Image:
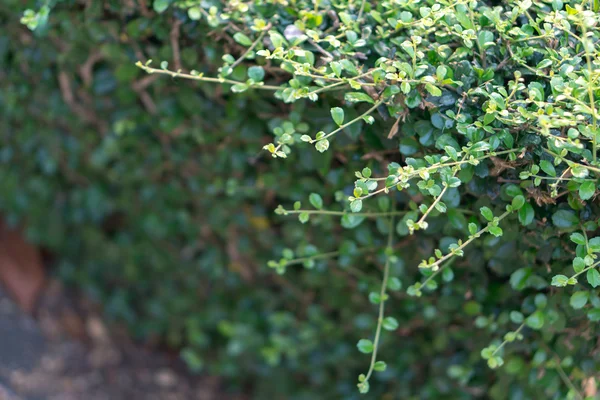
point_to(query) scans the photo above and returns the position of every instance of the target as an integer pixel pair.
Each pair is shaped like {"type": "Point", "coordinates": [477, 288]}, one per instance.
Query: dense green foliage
{"type": "Point", "coordinates": [440, 158]}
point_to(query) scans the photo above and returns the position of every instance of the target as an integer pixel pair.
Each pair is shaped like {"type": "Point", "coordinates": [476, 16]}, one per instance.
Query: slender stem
{"type": "Point", "coordinates": [586, 269]}
{"type": "Point", "coordinates": [176, 74]}
{"type": "Point", "coordinates": [243, 56]}
{"type": "Point", "coordinates": [347, 124]}
{"type": "Point", "coordinates": [562, 176]}
{"type": "Point", "coordinates": [301, 66]}
{"type": "Point", "coordinates": [386, 273]}
{"type": "Point", "coordinates": [590, 93]}
{"type": "Point", "coordinates": [479, 45]}
{"type": "Point", "coordinates": [554, 178]}
{"type": "Point", "coordinates": [329, 87]}
{"type": "Point", "coordinates": [504, 342]}
{"type": "Point", "coordinates": [572, 163]}
{"type": "Point", "coordinates": [432, 206]}
{"type": "Point", "coordinates": [435, 273]}
{"type": "Point", "coordinates": [439, 198]}
{"type": "Point", "coordinates": [360, 12]}
{"type": "Point", "coordinates": [567, 381]}
{"type": "Point", "coordinates": [465, 244]}
{"type": "Point", "coordinates": [585, 236]}
{"type": "Point", "coordinates": [342, 213]}
{"type": "Point", "coordinates": [589, 109]}
{"type": "Point", "coordinates": [531, 38]}
{"type": "Point", "coordinates": [564, 376]}
{"type": "Point", "coordinates": [341, 81]}
{"type": "Point", "coordinates": [432, 167]}
{"type": "Point", "coordinates": [466, 161]}
{"type": "Point", "coordinates": [331, 254]}
{"type": "Point", "coordinates": [383, 189]}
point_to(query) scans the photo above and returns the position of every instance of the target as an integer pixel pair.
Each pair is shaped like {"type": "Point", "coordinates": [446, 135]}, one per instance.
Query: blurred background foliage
{"type": "Point", "coordinates": [157, 201]}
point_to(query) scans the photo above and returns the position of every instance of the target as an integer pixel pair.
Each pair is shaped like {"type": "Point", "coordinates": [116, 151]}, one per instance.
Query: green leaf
{"type": "Point", "coordinates": [276, 39]}
{"type": "Point", "coordinates": [594, 244]}
{"type": "Point", "coordinates": [256, 73]}
{"type": "Point", "coordinates": [495, 362]}
{"type": "Point", "coordinates": [357, 97]}
{"type": "Point", "coordinates": [194, 13]}
{"type": "Point", "coordinates": [239, 88]}
{"type": "Point", "coordinates": [316, 200]}
{"type": "Point", "coordinates": [356, 205]}
{"type": "Point", "coordinates": [226, 70]}
{"type": "Point", "coordinates": [303, 217]}
{"type": "Point", "coordinates": [479, 146]}
{"type": "Point", "coordinates": [547, 167]}
{"type": "Point", "coordinates": [365, 346]}
{"type": "Point", "coordinates": [544, 63]}
{"type": "Point", "coordinates": [374, 298]}
{"type": "Point", "coordinates": [487, 352]}
{"type": "Point", "coordinates": [577, 238]}
{"type": "Point", "coordinates": [464, 20]}
{"type": "Point", "coordinates": [485, 39]}
{"type": "Point", "coordinates": [560, 280]}
{"type": "Point", "coordinates": [579, 299]}
{"type": "Point", "coordinates": [384, 203]}
{"type": "Point", "coordinates": [495, 230]}
{"type": "Point", "coordinates": [593, 277]}
{"type": "Point", "coordinates": [535, 320]}
{"type": "Point", "coordinates": [519, 278]}
{"type": "Point", "coordinates": [322, 145]}
{"type": "Point", "coordinates": [338, 115]}
{"type": "Point", "coordinates": [242, 39]}
{"type": "Point", "coordinates": [578, 264]}
{"type": "Point", "coordinates": [587, 190]}
{"type": "Point", "coordinates": [472, 228]}
{"type": "Point", "coordinates": [433, 90]}
{"type": "Point", "coordinates": [487, 213]}
{"type": "Point", "coordinates": [540, 300]}
{"type": "Point", "coordinates": [594, 314]}
{"type": "Point", "coordinates": [580, 172]}
{"type": "Point", "coordinates": [447, 274]}
{"type": "Point", "coordinates": [405, 87]}
{"type": "Point", "coordinates": [565, 219]}
{"type": "Point", "coordinates": [366, 172]}
{"type": "Point", "coordinates": [390, 91]}
{"type": "Point", "coordinates": [349, 67]}
{"type": "Point", "coordinates": [351, 221]}
{"type": "Point", "coordinates": [336, 67]}
{"type": "Point", "coordinates": [363, 386]}
{"type": "Point", "coordinates": [526, 214]}
{"type": "Point", "coordinates": [394, 284]}
{"type": "Point", "coordinates": [390, 324]}
{"type": "Point", "coordinates": [516, 317]}
{"type": "Point", "coordinates": [380, 366]}
{"type": "Point", "coordinates": [518, 202]}
{"type": "Point", "coordinates": [161, 5]}
{"type": "Point", "coordinates": [441, 72]}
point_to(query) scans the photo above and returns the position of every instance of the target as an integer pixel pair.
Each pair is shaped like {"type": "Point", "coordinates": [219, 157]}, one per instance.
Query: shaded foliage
{"type": "Point", "coordinates": [450, 147]}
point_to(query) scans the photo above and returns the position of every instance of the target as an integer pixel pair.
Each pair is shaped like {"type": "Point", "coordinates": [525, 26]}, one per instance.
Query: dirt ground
{"type": "Point", "coordinates": [54, 344]}
{"type": "Point", "coordinates": [66, 352]}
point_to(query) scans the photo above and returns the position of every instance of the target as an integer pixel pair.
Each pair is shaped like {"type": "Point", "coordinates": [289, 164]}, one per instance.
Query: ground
{"type": "Point", "coordinates": [64, 351]}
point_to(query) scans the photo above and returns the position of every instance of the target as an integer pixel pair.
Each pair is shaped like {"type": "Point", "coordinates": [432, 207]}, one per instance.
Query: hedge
{"type": "Point", "coordinates": [321, 199]}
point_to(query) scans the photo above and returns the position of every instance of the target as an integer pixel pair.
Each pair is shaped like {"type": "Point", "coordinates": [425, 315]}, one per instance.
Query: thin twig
{"type": "Point", "coordinates": [382, 294]}
{"type": "Point", "coordinates": [174, 38]}
{"type": "Point", "coordinates": [252, 46]}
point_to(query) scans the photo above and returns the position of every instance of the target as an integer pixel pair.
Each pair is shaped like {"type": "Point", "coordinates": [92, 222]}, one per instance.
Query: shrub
{"type": "Point", "coordinates": [442, 157]}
